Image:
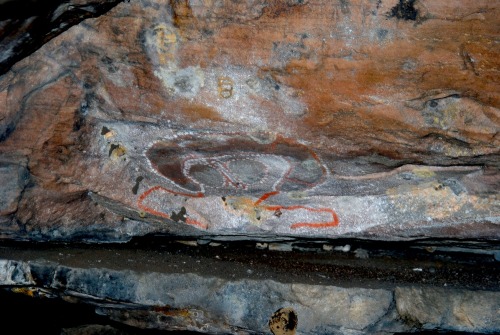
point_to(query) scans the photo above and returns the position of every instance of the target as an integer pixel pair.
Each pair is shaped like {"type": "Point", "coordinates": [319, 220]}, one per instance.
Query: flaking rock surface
{"type": "Point", "coordinates": [257, 118]}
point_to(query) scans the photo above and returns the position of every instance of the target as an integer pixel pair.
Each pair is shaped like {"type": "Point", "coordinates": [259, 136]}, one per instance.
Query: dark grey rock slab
{"type": "Point", "coordinates": [215, 290]}
{"type": "Point", "coordinates": [225, 305]}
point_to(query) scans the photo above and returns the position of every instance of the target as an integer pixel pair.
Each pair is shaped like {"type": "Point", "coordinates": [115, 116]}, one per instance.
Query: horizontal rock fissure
{"type": "Point", "coordinates": [471, 264]}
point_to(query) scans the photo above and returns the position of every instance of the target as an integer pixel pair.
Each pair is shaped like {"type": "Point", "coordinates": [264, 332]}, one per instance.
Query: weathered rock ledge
{"type": "Point", "coordinates": [218, 289]}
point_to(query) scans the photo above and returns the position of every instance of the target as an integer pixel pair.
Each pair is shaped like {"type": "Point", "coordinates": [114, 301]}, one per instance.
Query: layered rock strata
{"type": "Point", "coordinates": [214, 289]}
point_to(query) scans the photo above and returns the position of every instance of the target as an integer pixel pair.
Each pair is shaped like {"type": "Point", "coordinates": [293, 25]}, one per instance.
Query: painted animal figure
{"type": "Point", "coordinates": [237, 165]}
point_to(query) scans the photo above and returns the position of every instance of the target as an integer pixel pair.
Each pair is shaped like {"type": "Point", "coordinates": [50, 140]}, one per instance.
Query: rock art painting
{"type": "Point", "coordinates": [238, 166]}
{"type": "Point", "coordinates": [258, 119]}
{"type": "Point", "coordinates": [258, 183]}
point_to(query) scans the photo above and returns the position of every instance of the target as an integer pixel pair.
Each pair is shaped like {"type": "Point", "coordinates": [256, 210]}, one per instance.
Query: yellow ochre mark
{"type": "Point", "coordinates": [246, 206]}
{"type": "Point", "coordinates": [116, 151]}
{"type": "Point", "coordinates": [24, 290]}
{"type": "Point", "coordinates": [165, 43]}
{"type": "Point", "coordinates": [423, 173]}
{"type": "Point", "coordinates": [434, 200]}
{"type": "Point", "coordinates": [107, 133]}
{"type": "Point", "coordinates": [225, 87]}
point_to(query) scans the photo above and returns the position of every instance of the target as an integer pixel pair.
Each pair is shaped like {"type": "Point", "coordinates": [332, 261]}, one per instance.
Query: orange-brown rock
{"type": "Point", "coordinates": [311, 118]}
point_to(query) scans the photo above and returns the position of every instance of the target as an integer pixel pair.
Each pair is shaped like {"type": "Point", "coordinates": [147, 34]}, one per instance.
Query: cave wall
{"type": "Point", "coordinates": [360, 118]}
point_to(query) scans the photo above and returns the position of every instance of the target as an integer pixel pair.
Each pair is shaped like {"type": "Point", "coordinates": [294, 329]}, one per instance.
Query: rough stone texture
{"type": "Point", "coordinates": [25, 25]}
{"type": "Point", "coordinates": [456, 310]}
{"type": "Point", "coordinates": [13, 177]}
{"type": "Point", "coordinates": [153, 300]}
{"type": "Point", "coordinates": [215, 306]}
{"type": "Point", "coordinates": [235, 288]}
{"type": "Point", "coordinates": [255, 120]}
{"type": "Point", "coordinates": [306, 118]}
{"type": "Point", "coordinates": [93, 330]}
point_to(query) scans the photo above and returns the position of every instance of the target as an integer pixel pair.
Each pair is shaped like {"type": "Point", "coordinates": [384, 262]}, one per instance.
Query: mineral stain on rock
{"type": "Point", "coordinates": [136, 186]}
{"type": "Point", "coordinates": [283, 322]}
{"type": "Point", "coordinates": [116, 151]}
{"type": "Point", "coordinates": [105, 130]}
{"type": "Point", "coordinates": [181, 216]}
{"type": "Point", "coordinates": [404, 10]}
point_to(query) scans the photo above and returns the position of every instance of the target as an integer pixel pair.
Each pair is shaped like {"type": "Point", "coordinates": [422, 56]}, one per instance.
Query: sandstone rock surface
{"type": "Point", "coordinates": [456, 310]}
{"type": "Point", "coordinates": [198, 290]}
{"type": "Point", "coordinates": [257, 119]}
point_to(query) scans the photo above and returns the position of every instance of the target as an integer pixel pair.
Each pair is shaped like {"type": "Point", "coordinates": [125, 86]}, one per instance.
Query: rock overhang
{"type": "Point", "coordinates": [161, 121]}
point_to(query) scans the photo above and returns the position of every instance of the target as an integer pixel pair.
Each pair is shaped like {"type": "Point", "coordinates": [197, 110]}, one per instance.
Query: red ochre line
{"type": "Point", "coordinates": [265, 196]}
{"type": "Point", "coordinates": [152, 211]}
{"type": "Point", "coordinates": [333, 223]}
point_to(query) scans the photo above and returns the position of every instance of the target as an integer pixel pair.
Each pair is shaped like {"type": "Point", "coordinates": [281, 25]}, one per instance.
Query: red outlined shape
{"type": "Point", "coordinates": [143, 196]}
{"type": "Point", "coordinates": [332, 223]}
{"type": "Point", "coordinates": [287, 149]}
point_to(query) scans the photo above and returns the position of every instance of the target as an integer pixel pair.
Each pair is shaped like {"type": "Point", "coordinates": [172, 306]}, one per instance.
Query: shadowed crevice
{"type": "Point", "coordinates": [26, 25]}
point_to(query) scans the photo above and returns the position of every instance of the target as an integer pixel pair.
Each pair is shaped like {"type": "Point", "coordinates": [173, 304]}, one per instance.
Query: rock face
{"type": "Point", "coordinates": [246, 305]}
{"type": "Point", "coordinates": [290, 124]}
{"type": "Point", "coordinates": [161, 290]}
{"type": "Point", "coordinates": [25, 25]}
{"type": "Point", "coordinates": [298, 118]}
{"type": "Point", "coordinates": [438, 307]}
